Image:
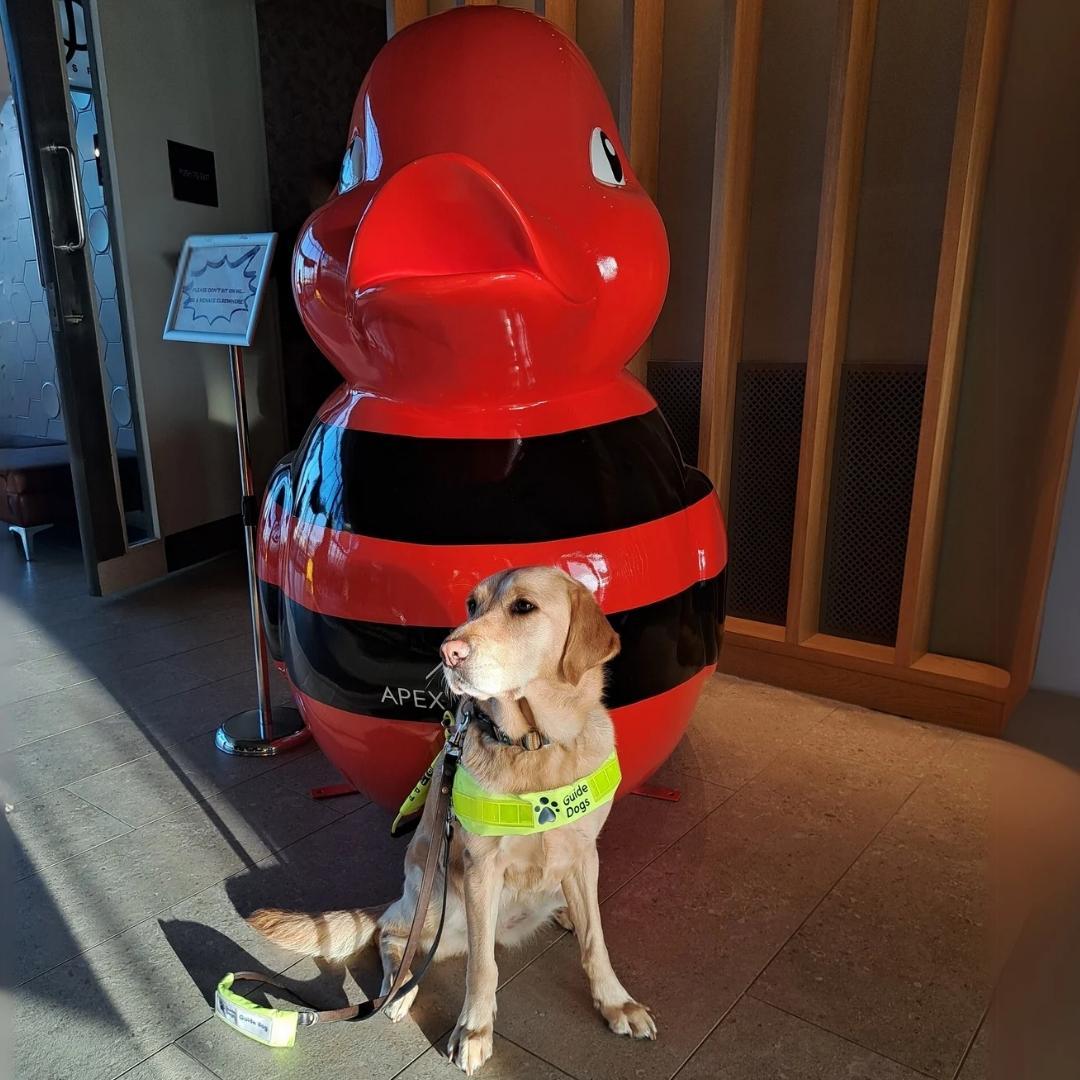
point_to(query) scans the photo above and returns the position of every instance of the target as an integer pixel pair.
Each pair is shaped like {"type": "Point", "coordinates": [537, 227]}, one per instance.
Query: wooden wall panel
{"type": "Point", "coordinates": [639, 104]}
{"type": "Point", "coordinates": [976, 113]}
{"type": "Point", "coordinates": [828, 320]}
{"type": "Point", "coordinates": [639, 93]}
{"type": "Point", "coordinates": [400, 13]}
{"type": "Point", "coordinates": [729, 232]}
{"type": "Point", "coordinates": [823, 674]}
{"type": "Point", "coordinates": [1010, 386]}
{"type": "Point", "coordinates": [563, 13]}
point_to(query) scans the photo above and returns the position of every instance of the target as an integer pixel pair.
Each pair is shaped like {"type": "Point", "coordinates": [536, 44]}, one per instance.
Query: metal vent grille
{"type": "Point", "coordinates": [676, 385]}
{"type": "Point", "coordinates": [764, 474]}
{"type": "Point", "coordinates": [877, 438]}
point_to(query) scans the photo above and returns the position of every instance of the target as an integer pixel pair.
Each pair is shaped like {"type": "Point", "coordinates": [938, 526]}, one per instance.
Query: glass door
{"type": "Point", "coordinates": [79, 391]}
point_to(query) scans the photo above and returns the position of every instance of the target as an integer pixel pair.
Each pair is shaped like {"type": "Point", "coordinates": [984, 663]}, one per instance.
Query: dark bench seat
{"type": "Point", "coordinates": [35, 486]}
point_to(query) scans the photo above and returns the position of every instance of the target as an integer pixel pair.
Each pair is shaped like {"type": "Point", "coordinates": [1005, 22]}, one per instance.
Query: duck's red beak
{"type": "Point", "coordinates": [446, 216]}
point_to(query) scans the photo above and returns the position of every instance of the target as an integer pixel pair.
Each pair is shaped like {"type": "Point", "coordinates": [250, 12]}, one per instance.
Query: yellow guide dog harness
{"type": "Point", "coordinates": [485, 814]}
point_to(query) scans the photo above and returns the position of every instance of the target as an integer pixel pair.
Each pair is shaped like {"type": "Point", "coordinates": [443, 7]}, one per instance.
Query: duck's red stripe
{"type": "Point", "coordinates": [350, 576]}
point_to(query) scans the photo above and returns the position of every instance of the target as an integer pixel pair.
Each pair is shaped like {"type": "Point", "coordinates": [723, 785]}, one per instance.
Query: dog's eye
{"type": "Point", "coordinates": [470, 606]}
{"type": "Point", "coordinates": [604, 159]}
{"type": "Point", "coordinates": [521, 606]}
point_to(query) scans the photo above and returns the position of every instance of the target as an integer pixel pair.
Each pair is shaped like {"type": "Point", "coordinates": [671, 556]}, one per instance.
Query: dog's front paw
{"type": "Point", "coordinates": [399, 1008]}
{"type": "Point", "coordinates": [630, 1018]}
{"type": "Point", "coordinates": [469, 1049]}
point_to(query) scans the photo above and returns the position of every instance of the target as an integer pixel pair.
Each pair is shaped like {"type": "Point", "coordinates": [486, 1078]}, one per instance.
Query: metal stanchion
{"type": "Point", "coordinates": [265, 731]}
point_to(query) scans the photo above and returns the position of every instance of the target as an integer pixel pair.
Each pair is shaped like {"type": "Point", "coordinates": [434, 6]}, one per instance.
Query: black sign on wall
{"type": "Point", "coordinates": [194, 178]}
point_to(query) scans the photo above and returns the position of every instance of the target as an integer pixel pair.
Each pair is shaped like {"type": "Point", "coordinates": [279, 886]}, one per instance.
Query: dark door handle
{"type": "Point", "coordinates": [76, 201]}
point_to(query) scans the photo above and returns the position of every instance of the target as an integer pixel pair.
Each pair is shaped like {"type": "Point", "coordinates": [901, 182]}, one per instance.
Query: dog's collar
{"type": "Point", "coordinates": [531, 740]}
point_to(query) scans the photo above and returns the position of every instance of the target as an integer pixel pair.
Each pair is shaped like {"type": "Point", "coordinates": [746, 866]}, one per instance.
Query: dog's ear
{"type": "Point", "coordinates": [590, 640]}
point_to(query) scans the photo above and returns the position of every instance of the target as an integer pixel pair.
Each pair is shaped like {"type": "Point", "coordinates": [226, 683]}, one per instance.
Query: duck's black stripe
{"type": "Point", "coordinates": [493, 491]}
{"type": "Point", "coordinates": [381, 670]}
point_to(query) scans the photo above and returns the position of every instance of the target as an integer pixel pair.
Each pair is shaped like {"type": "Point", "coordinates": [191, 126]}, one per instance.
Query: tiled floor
{"type": "Point", "coordinates": [820, 903]}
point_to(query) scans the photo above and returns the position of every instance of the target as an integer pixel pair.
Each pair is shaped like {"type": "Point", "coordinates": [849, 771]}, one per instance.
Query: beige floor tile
{"type": "Point", "coordinates": [689, 933]}
{"type": "Point", "coordinates": [896, 957]}
{"type": "Point", "coordinates": [169, 1064]}
{"type": "Point", "coordinates": [886, 741]}
{"type": "Point", "coordinates": [56, 826]}
{"type": "Point", "coordinates": [757, 1042]}
{"type": "Point", "coordinates": [304, 772]}
{"type": "Point", "coordinates": [977, 1064]}
{"type": "Point", "coordinates": [509, 1062]}
{"type": "Point", "coordinates": [20, 648]}
{"type": "Point", "coordinates": [739, 727]}
{"type": "Point", "coordinates": [220, 659]}
{"type": "Point", "coordinates": [42, 677]}
{"type": "Point", "coordinates": [81, 902]}
{"type": "Point", "coordinates": [105, 1011]}
{"type": "Point", "coordinates": [48, 714]}
{"type": "Point", "coordinates": [171, 778]}
{"type": "Point", "coordinates": [69, 756]}
{"type": "Point", "coordinates": [151, 682]}
{"type": "Point", "coordinates": [640, 828]}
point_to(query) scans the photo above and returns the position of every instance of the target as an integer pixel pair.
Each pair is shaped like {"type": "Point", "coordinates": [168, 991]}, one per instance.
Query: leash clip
{"type": "Point", "coordinates": [454, 744]}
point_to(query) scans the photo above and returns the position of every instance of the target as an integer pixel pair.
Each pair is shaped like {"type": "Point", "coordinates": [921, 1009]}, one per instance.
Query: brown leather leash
{"type": "Point", "coordinates": [364, 1010]}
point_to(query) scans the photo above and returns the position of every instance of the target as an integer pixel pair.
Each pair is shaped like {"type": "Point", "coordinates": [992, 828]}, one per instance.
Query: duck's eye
{"type": "Point", "coordinates": [470, 606]}
{"type": "Point", "coordinates": [521, 606]}
{"type": "Point", "coordinates": [352, 165]}
{"type": "Point", "coordinates": [604, 158]}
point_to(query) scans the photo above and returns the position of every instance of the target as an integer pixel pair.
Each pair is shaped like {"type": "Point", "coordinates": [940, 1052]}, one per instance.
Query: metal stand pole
{"type": "Point", "coordinates": [261, 732]}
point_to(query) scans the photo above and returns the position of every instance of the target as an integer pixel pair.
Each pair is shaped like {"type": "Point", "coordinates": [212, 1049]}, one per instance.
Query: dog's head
{"type": "Point", "coordinates": [524, 625]}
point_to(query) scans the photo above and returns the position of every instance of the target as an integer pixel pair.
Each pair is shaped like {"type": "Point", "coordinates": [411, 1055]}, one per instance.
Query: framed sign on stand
{"type": "Point", "coordinates": [216, 299]}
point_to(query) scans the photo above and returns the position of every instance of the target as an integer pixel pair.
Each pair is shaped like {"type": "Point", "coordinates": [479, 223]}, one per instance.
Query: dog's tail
{"type": "Point", "coordinates": [333, 934]}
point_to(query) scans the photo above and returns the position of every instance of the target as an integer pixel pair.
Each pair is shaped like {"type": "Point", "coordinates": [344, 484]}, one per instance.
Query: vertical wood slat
{"type": "Point", "coordinates": [729, 229]}
{"type": "Point", "coordinates": [400, 13]}
{"type": "Point", "coordinates": [639, 87]}
{"type": "Point", "coordinates": [639, 105]}
{"type": "Point", "coordinates": [563, 13]}
{"type": "Point", "coordinates": [980, 80]}
{"type": "Point", "coordinates": [845, 134]}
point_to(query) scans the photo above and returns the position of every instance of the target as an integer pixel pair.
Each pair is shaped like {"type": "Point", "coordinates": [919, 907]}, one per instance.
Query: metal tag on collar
{"type": "Point", "coordinates": [533, 740]}
{"type": "Point", "coordinates": [457, 736]}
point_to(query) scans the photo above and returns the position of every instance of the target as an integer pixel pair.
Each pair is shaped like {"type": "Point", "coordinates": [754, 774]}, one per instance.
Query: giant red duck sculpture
{"type": "Point", "coordinates": [484, 271]}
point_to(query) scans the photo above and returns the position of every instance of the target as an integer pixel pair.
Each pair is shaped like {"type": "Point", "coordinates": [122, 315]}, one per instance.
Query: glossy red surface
{"type": "Point", "coordinates": [360, 577]}
{"type": "Point", "coordinates": [385, 758]}
{"type": "Point", "coordinates": [478, 250]}
{"type": "Point", "coordinates": [484, 272]}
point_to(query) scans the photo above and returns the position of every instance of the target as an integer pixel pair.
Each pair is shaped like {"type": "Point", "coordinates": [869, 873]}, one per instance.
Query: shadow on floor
{"type": "Point", "coordinates": [1048, 724]}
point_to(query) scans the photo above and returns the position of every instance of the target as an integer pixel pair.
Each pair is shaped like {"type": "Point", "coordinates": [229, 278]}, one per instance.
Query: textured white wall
{"type": "Point", "coordinates": [188, 72]}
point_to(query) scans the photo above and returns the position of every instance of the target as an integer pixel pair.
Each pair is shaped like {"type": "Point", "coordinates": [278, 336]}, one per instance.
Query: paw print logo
{"type": "Point", "coordinates": [546, 811]}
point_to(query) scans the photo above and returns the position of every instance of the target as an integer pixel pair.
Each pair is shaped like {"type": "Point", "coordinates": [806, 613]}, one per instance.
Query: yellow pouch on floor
{"type": "Point", "coordinates": [272, 1027]}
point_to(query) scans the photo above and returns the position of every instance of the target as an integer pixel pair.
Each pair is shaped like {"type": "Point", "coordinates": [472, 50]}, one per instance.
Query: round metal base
{"type": "Point", "coordinates": [240, 734]}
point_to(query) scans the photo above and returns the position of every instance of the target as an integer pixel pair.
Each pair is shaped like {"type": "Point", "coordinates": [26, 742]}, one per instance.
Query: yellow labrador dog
{"type": "Point", "coordinates": [532, 653]}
